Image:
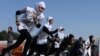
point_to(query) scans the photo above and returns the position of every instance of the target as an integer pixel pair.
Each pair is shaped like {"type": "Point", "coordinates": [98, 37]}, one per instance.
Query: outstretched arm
{"type": "Point", "coordinates": [53, 32]}
{"type": "Point", "coordinates": [47, 31]}
{"type": "Point", "coordinates": [18, 12]}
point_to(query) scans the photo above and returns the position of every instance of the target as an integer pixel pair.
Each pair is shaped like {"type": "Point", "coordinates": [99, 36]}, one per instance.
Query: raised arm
{"type": "Point", "coordinates": [18, 12]}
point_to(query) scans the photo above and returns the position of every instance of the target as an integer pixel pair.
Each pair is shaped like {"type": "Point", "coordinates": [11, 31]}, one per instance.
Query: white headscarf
{"type": "Point", "coordinates": [49, 18]}
{"type": "Point", "coordinates": [60, 28]}
{"type": "Point", "coordinates": [41, 3]}
{"type": "Point", "coordinates": [48, 25]}
{"type": "Point", "coordinates": [61, 33]}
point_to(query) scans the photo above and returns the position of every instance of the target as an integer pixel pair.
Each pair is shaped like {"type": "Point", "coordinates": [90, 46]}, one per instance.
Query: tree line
{"type": "Point", "coordinates": [3, 35]}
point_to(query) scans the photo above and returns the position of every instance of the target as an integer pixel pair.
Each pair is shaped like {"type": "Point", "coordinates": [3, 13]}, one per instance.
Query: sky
{"type": "Point", "coordinates": [79, 17]}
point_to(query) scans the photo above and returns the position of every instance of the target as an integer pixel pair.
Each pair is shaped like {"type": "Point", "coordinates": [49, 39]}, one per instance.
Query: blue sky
{"type": "Point", "coordinates": [79, 17]}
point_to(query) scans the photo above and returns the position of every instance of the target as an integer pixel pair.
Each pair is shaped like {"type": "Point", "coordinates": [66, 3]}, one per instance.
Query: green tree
{"type": "Point", "coordinates": [3, 35]}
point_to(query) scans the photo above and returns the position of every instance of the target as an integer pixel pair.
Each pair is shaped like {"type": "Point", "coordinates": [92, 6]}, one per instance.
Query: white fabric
{"type": "Point", "coordinates": [42, 4]}
{"type": "Point", "coordinates": [48, 26]}
{"type": "Point", "coordinates": [60, 28]}
{"type": "Point", "coordinates": [41, 16]}
{"type": "Point", "coordinates": [57, 45]}
{"type": "Point", "coordinates": [29, 14]}
{"type": "Point", "coordinates": [61, 36]}
{"type": "Point", "coordinates": [27, 18]}
{"type": "Point", "coordinates": [22, 26]}
{"type": "Point", "coordinates": [50, 18]}
{"type": "Point", "coordinates": [42, 37]}
{"type": "Point", "coordinates": [87, 43]}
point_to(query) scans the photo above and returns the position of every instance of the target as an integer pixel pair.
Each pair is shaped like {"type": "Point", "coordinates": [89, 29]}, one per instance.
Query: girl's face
{"type": "Point", "coordinates": [62, 29]}
{"type": "Point", "coordinates": [51, 21]}
{"type": "Point", "coordinates": [9, 29]}
{"type": "Point", "coordinates": [41, 9]}
{"type": "Point", "coordinates": [72, 40]}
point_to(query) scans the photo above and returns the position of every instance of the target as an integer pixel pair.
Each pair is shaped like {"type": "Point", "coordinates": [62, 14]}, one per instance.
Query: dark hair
{"type": "Point", "coordinates": [90, 38]}
{"type": "Point", "coordinates": [10, 27]}
{"type": "Point", "coordinates": [80, 38]}
{"type": "Point", "coordinates": [71, 36]}
{"type": "Point", "coordinates": [83, 41]}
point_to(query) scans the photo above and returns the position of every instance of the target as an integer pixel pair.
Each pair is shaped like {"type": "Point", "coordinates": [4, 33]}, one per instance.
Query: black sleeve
{"type": "Point", "coordinates": [56, 35]}
{"type": "Point", "coordinates": [64, 38]}
{"type": "Point", "coordinates": [18, 12]}
{"type": "Point", "coordinates": [55, 31]}
{"type": "Point", "coordinates": [50, 39]}
{"type": "Point", "coordinates": [47, 31]}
